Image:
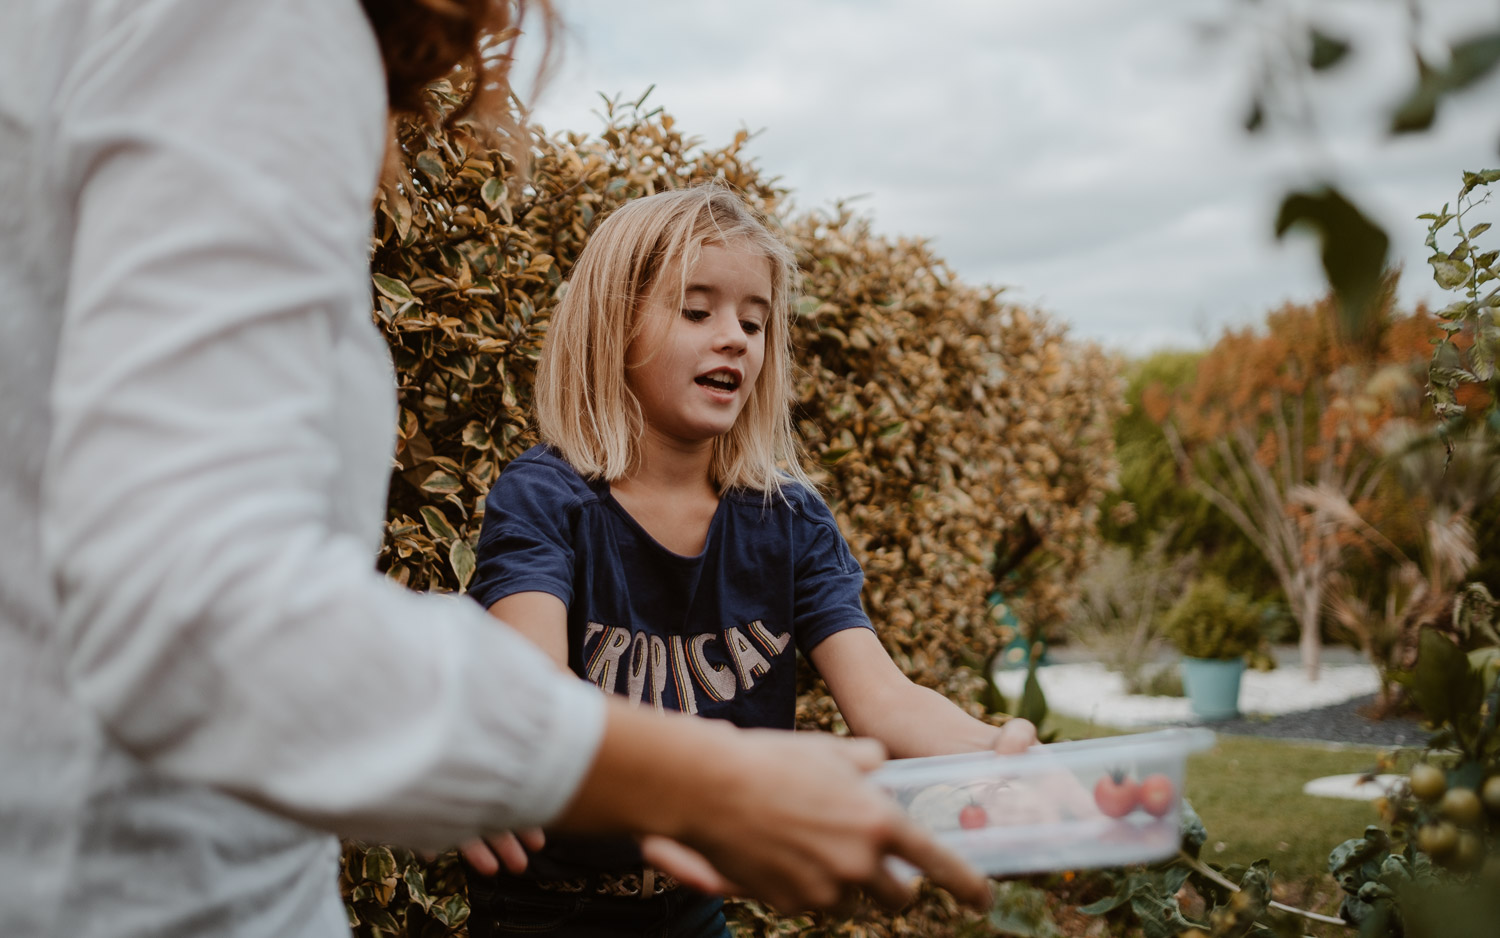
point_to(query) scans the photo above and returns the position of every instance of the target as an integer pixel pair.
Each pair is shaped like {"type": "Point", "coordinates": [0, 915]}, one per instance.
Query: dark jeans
{"type": "Point", "coordinates": [514, 907]}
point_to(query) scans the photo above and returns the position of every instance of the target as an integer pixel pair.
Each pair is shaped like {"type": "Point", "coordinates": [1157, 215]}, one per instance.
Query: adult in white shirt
{"type": "Point", "coordinates": [202, 677]}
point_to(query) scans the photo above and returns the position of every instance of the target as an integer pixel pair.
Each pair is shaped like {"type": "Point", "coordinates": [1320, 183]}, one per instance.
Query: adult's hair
{"type": "Point", "coordinates": [424, 40]}
{"type": "Point", "coordinates": [584, 406]}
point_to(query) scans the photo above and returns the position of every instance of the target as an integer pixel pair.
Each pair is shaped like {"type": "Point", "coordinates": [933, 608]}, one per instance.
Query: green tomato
{"type": "Point", "coordinates": [1428, 781]}
{"type": "Point", "coordinates": [1461, 806]}
{"type": "Point", "coordinates": [1489, 793]}
{"type": "Point", "coordinates": [1437, 840]}
{"type": "Point", "coordinates": [1468, 852]}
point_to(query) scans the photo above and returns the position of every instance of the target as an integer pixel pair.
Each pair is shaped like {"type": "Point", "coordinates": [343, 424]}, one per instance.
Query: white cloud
{"type": "Point", "coordinates": [1085, 153]}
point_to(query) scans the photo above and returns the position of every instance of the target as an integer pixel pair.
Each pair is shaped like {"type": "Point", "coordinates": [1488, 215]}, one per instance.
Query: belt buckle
{"type": "Point", "coordinates": [646, 884]}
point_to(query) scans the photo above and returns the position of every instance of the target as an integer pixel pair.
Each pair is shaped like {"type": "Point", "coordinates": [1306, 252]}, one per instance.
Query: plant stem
{"type": "Point", "coordinates": [1216, 877]}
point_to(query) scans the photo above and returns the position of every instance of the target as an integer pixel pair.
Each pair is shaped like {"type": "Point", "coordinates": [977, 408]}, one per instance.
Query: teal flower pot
{"type": "Point", "coordinates": [1213, 686]}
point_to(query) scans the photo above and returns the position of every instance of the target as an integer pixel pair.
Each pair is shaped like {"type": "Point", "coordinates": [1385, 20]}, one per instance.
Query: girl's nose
{"type": "Point", "coordinates": [731, 335]}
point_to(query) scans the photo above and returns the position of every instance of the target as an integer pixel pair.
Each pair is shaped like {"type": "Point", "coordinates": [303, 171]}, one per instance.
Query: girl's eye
{"type": "Point", "coordinates": [750, 326]}
{"type": "Point", "coordinates": [695, 315]}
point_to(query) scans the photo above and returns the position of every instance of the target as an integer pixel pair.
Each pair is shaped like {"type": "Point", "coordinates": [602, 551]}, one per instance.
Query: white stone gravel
{"type": "Point", "coordinates": [1089, 691]}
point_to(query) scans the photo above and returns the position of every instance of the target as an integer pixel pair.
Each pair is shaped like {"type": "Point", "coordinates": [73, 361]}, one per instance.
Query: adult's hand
{"type": "Point", "coordinates": [789, 819]}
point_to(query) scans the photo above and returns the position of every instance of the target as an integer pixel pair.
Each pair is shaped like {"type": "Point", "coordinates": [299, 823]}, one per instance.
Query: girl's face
{"type": "Point", "coordinates": [696, 360]}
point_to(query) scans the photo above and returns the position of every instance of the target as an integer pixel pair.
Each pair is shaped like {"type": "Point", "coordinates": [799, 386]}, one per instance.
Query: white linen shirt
{"type": "Point", "coordinates": [201, 673]}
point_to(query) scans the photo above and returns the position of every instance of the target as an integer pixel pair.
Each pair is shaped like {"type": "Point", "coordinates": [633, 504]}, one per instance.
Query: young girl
{"type": "Point", "coordinates": [653, 546]}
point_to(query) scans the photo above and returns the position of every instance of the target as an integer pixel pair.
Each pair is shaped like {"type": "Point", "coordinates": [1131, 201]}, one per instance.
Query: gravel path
{"type": "Point", "coordinates": [1280, 703]}
{"type": "Point", "coordinates": [1338, 723]}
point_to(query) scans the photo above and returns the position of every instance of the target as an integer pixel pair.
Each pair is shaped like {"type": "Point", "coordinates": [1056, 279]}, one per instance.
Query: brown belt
{"type": "Point", "coordinates": [645, 884]}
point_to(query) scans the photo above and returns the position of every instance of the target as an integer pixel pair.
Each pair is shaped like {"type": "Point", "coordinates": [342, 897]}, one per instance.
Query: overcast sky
{"type": "Point", "coordinates": [1085, 154]}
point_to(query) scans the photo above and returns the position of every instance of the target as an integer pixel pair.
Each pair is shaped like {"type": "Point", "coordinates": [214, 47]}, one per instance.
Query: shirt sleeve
{"type": "Point", "coordinates": [221, 160]}
{"type": "Point", "coordinates": [829, 579]}
{"type": "Point", "coordinates": [525, 542]}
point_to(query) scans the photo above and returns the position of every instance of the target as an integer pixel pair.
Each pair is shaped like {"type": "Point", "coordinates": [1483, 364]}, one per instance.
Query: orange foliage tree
{"type": "Point", "coordinates": [1279, 430]}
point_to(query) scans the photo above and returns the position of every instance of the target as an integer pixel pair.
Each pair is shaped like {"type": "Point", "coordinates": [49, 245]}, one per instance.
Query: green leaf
{"type": "Point", "coordinates": [1441, 684]}
{"type": "Point", "coordinates": [475, 436]}
{"type": "Point", "coordinates": [379, 917]}
{"type": "Point", "coordinates": [1457, 310]}
{"type": "Point", "coordinates": [1473, 181]}
{"type": "Point", "coordinates": [1449, 274]}
{"type": "Point", "coordinates": [1472, 59]}
{"type": "Point", "coordinates": [461, 558]}
{"type": "Point", "coordinates": [451, 910]}
{"type": "Point", "coordinates": [1033, 701]}
{"type": "Point", "coordinates": [1327, 51]}
{"type": "Point", "coordinates": [1485, 350]}
{"type": "Point", "coordinates": [1107, 904]}
{"type": "Point", "coordinates": [1353, 252]}
{"type": "Point", "coordinates": [1194, 835]}
{"type": "Point", "coordinates": [1418, 109]}
{"type": "Point", "coordinates": [379, 864]}
{"type": "Point", "coordinates": [493, 192]}
{"type": "Point", "coordinates": [1478, 230]}
{"type": "Point", "coordinates": [416, 886]}
{"type": "Point", "coordinates": [432, 167]}
{"type": "Point", "coordinates": [1356, 862]}
{"type": "Point", "coordinates": [1159, 915]}
{"type": "Point", "coordinates": [437, 524]}
{"type": "Point", "coordinates": [393, 288]}
{"type": "Point", "coordinates": [1255, 118]}
{"type": "Point", "coordinates": [1021, 910]}
{"type": "Point", "coordinates": [442, 483]}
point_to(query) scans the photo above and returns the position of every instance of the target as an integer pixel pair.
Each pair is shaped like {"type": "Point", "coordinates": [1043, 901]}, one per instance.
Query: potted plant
{"type": "Point", "coordinates": [1214, 628]}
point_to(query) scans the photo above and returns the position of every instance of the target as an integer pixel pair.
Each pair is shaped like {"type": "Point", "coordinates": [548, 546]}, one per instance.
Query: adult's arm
{"type": "Point", "coordinates": [219, 161]}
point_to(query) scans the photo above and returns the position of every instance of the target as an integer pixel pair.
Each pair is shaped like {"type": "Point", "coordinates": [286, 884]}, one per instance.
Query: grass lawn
{"type": "Point", "coordinates": [1248, 790]}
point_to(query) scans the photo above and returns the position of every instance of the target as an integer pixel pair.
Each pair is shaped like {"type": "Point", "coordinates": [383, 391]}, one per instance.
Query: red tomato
{"type": "Point", "coordinates": [972, 817]}
{"type": "Point", "coordinates": [1116, 794]}
{"type": "Point", "coordinates": [1157, 794]}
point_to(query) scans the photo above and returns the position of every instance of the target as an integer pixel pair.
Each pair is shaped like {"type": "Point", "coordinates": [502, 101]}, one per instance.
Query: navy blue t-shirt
{"type": "Point", "coordinates": [715, 634]}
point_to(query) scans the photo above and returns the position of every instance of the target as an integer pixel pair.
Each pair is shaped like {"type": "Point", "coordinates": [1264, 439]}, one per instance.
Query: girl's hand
{"type": "Point", "coordinates": [507, 849]}
{"type": "Point", "coordinates": [1016, 735]}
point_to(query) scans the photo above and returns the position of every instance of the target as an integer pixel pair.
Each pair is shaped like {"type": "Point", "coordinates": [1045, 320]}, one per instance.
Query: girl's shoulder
{"type": "Point", "coordinates": [794, 500]}
{"type": "Point", "coordinates": [543, 469]}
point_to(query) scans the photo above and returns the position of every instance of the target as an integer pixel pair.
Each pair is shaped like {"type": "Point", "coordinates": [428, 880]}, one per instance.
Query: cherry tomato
{"type": "Point", "coordinates": [972, 817]}
{"type": "Point", "coordinates": [1116, 794]}
{"type": "Point", "coordinates": [1157, 794]}
{"type": "Point", "coordinates": [1428, 781]}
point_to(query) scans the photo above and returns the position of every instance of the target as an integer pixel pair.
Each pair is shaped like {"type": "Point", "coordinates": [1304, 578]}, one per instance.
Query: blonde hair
{"type": "Point", "coordinates": [585, 408]}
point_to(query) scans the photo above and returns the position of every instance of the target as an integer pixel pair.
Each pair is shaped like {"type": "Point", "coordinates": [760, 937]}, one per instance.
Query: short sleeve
{"type": "Point", "coordinates": [829, 579]}
{"type": "Point", "coordinates": [525, 541]}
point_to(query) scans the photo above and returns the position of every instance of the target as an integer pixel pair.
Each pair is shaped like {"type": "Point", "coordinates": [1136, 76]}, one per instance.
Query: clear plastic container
{"type": "Point", "coordinates": [1066, 806]}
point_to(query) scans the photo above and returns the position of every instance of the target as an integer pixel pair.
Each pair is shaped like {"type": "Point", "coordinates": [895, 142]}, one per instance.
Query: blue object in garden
{"type": "Point", "coordinates": [1016, 653]}
{"type": "Point", "coordinates": [1213, 686]}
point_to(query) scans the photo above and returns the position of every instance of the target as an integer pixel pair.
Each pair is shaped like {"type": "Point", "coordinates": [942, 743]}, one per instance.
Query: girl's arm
{"type": "Point", "coordinates": [540, 617]}
{"type": "Point", "coordinates": [877, 700]}
{"type": "Point", "coordinates": [543, 619]}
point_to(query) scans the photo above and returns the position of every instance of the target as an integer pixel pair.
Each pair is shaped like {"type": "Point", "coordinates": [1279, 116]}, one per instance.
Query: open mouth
{"type": "Point", "coordinates": [719, 380]}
